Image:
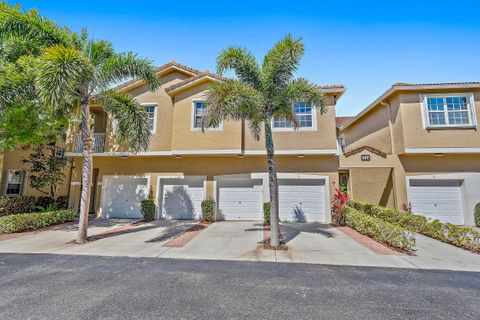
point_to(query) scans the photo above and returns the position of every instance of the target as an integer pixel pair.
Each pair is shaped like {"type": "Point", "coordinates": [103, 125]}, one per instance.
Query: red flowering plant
{"type": "Point", "coordinates": [339, 203]}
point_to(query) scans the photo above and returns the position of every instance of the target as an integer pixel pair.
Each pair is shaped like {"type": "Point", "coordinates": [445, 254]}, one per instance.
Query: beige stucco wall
{"type": "Point", "coordinates": [323, 137]}
{"type": "Point", "coordinates": [209, 166]}
{"type": "Point", "coordinates": [416, 136]}
{"type": "Point", "coordinates": [371, 130]}
{"type": "Point", "coordinates": [373, 185]}
{"type": "Point", "coordinates": [13, 160]}
{"type": "Point", "coordinates": [184, 137]}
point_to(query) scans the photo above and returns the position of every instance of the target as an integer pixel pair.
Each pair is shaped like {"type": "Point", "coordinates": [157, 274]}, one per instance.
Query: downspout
{"type": "Point", "coordinates": [390, 128]}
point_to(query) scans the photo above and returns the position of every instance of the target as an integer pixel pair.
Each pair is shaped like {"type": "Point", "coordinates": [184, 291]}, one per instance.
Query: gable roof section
{"type": "Point", "coordinates": [401, 86]}
{"type": "Point", "coordinates": [192, 81]}
{"type": "Point", "coordinates": [164, 69]}
{"type": "Point", "coordinates": [367, 148]}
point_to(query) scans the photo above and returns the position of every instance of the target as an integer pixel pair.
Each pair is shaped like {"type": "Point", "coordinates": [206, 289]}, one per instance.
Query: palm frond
{"type": "Point", "coordinates": [300, 91]}
{"type": "Point", "coordinates": [242, 62]}
{"type": "Point", "coordinates": [232, 100]}
{"type": "Point", "coordinates": [123, 66]}
{"type": "Point", "coordinates": [61, 73]}
{"type": "Point", "coordinates": [29, 24]}
{"type": "Point", "coordinates": [98, 51]}
{"type": "Point", "coordinates": [132, 119]}
{"type": "Point", "coordinates": [281, 63]}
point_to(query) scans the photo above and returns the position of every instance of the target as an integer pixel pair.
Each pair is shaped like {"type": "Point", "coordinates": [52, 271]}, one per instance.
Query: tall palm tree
{"type": "Point", "coordinates": [74, 72]}
{"type": "Point", "coordinates": [259, 94]}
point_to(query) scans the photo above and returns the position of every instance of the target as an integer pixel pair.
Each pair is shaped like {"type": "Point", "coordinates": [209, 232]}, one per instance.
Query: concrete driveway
{"type": "Point", "coordinates": [313, 243]}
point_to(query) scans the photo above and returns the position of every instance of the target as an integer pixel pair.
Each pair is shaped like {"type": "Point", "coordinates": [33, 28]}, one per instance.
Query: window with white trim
{"type": "Point", "coordinates": [342, 143]}
{"type": "Point", "coordinates": [303, 113]}
{"type": "Point", "coordinates": [199, 111]}
{"type": "Point", "coordinates": [449, 111]}
{"type": "Point", "coordinates": [14, 182]}
{"type": "Point", "coordinates": [151, 110]}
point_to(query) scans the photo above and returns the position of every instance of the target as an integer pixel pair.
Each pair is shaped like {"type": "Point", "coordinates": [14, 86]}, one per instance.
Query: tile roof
{"type": "Point", "coordinates": [340, 121]}
{"type": "Point", "coordinates": [333, 86]}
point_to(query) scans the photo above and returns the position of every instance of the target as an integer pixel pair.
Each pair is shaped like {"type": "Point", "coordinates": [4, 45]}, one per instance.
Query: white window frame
{"type": "Point", "coordinates": [192, 120]}
{"type": "Point", "coordinates": [155, 112]}
{"type": "Point", "coordinates": [22, 183]}
{"type": "Point", "coordinates": [312, 128]}
{"type": "Point", "coordinates": [470, 109]}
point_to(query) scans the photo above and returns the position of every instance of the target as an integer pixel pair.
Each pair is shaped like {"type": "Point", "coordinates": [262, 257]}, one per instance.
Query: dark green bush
{"type": "Point", "coordinates": [148, 209]}
{"type": "Point", "coordinates": [208, 210]}
{"type": "Point", "coordinates": [460, 236]}
{"type": "Point", "coordinates": [27, 204]}
{"type": "Point", "coordinates": [33, 221]}
{"type": "Point", "coordinates": [266, 212]}
{"type": "Point", "coordinates": [477, 215]}
{"type": "Point", "coordinates": [378, 229]}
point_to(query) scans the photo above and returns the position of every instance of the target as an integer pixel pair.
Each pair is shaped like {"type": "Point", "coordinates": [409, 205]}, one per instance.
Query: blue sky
{"type": "Point", "coordinates": [365, 45]}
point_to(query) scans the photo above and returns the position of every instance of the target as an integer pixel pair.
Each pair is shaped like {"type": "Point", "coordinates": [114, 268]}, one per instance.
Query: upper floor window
{"type": "Point", "coordinates": [151, 110]}
{"type": "Point", "coordinates": [342, 143]}
{"type": "Point", "coordinates": [14, 182]}
{"type": "Point", "coordinates": [199, 111]}
{"type": "Point", "coordinates": [449, 110]}
{"type": "Point", "coordinates": [304, 114]}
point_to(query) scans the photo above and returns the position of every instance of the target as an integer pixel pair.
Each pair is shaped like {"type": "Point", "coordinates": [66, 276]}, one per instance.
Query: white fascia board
{"type": "Point", "coordinates": [293, 152]}
{"type": "Point", "coordinates": [441, 150]}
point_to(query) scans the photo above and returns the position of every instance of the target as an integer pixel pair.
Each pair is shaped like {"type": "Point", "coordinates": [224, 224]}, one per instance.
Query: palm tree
{"type": "Point", "coordinates": [259, 94]}
{"type": "Point", "coordinates": [74, 72]}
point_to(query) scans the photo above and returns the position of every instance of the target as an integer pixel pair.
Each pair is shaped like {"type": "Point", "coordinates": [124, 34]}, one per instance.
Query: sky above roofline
{"type": "Point", "coordinates": [367, 46]}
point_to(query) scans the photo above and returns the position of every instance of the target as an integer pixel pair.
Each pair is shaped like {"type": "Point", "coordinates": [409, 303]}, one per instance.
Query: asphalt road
{"type": "Point", "coordinates": [85, 287]}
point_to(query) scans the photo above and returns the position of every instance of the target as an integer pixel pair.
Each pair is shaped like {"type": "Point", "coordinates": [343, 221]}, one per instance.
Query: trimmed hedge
{"type": "Point", "coordinates": [477, 215]}
{"type": "Point", "coordinates": [208, 210]}
{"type": "Point", "coordinates": [460, 236]}
{"type": "Point", "coordinates": [27, 204]}
{"type": "Point", "coordinates": [378, 229]}
{"type": "Point", "coordinates": [33, 221]}
{"type": "Point", "coordinates": [148, 209]}
{"type": "Point", "coordinates": [266, 212]}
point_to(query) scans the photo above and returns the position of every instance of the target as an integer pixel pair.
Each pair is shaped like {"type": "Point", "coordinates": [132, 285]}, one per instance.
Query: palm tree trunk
{"type": "Point", "coordinates": [273, 184]}
{"type": "Point", "coordinates": [87, 172]}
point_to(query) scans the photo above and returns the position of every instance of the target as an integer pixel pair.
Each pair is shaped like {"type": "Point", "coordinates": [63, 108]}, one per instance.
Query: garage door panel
{"type": "Point", "coordinates": [302, 200]}
{"type": "Point", "coordinates": [122, 197]}
{"type": "Point", "coordinates": [437, 199]}
{"type": "Point", "coordinates": [182, 198]}
{"type": "Point", "coordinates": [240, 199]}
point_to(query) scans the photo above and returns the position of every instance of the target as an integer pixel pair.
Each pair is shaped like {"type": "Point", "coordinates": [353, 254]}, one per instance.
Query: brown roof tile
{"type": "Point", "coordinates": [404, 84]}
{"type": "Point", "coordinates": [193, 78]}
{"type": "Point", "coordinates": [340, 121]}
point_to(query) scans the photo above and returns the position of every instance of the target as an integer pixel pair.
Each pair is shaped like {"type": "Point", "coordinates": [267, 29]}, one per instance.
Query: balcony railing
{"type": "Point", "coordinates": [98, 142]}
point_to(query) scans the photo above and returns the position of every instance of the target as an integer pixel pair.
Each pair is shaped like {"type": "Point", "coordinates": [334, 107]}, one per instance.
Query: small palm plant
{"type": "Point", "coordinates": [259, 94]}
{"type": "Point", "coordinates": [74, 72]}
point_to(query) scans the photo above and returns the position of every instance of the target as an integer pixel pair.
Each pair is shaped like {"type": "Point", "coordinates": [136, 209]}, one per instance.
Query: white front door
{"type": "Point", "coordinates": [240, 199]}
{"type": "Point", "coordinates": [437, 199]}
{"type": "Point", "coordinates": [122, 196]}
{"type": "Point", "coordinates": [302, 200]}
{"type": "Point", "coordinates": [182, 198]}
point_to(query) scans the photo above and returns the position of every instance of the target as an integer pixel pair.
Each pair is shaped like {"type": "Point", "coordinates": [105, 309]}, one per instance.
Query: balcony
{"type": "Point", "coordinates": [98, 143]}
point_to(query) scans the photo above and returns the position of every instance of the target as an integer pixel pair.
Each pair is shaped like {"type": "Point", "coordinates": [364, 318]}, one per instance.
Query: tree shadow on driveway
{"type": "Point", "coordinates": [171, 232]}
{"type": "Point", "coordinates": [290, 230]}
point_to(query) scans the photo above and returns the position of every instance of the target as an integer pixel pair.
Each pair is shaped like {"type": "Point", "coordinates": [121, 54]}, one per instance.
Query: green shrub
{"type": "Point", "coordinates": [33, 221]}
{"type": "Point", "coordinates": [460, 236]}
{"type": "Point", "coordinates": [378, 229]}
{"type": "Point", "coordinates": [477, 215]}
{"type": "Point", "coordinates": [27, 204]}
{"type": "Point", "coordinates": [148, 209]}
{"type": "Point", "coordinates": [208, 210]}
{"type": "Point", "coordinates": [266, 212]}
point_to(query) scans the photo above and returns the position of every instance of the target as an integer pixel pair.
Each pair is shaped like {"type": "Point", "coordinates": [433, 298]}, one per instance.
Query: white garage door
{"type": "Point", "coordinates": [437, 199]}
{"type": "Point", "coordinates": [122, 196]}
{"type": "Point", "coordinates": [182, 198]}
{"type": "Point", "coordinates": [302, 200]}
{"type": "Point", "coordinates": [240, 199]}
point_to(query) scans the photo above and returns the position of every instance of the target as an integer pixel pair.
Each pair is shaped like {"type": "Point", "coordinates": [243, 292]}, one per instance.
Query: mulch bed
{"type": "Point", "coordinates": [377, 247]}
{"type": "Point", "coordinates": [266, 240]}
{"type": "Point", "coordinates": [61, 226]}
{"type": "Point", "coordinates": [185, 237]}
